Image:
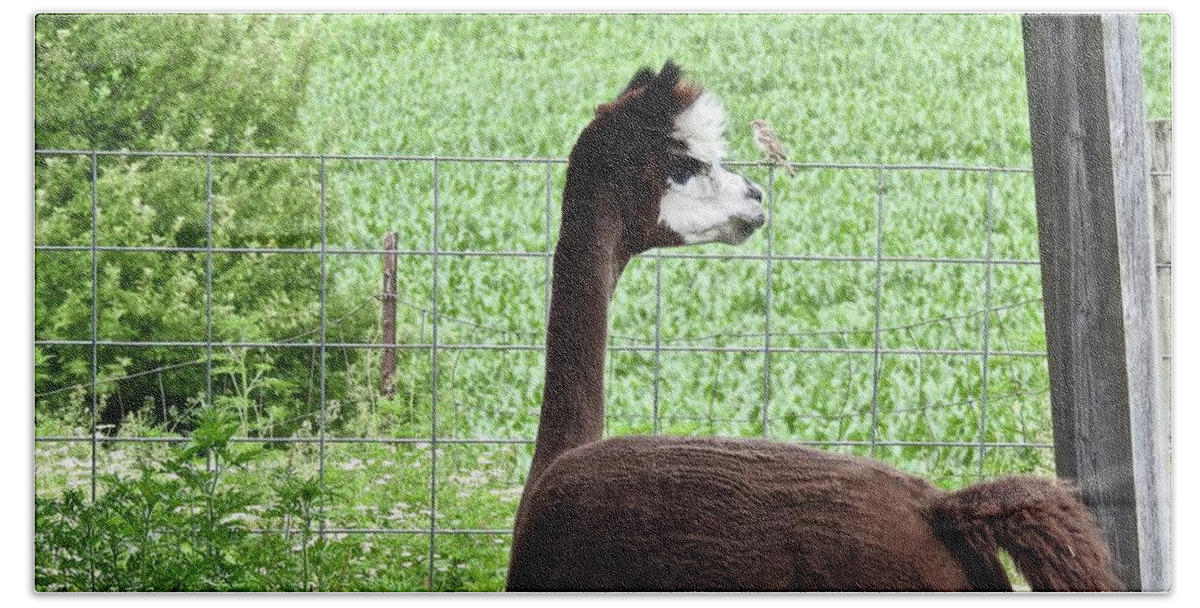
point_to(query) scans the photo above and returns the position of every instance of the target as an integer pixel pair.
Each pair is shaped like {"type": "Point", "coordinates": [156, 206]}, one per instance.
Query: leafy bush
{"type": "Point", "coordinates": [215, 83]}
{"type": "Point", "coordinates": [177, 524]}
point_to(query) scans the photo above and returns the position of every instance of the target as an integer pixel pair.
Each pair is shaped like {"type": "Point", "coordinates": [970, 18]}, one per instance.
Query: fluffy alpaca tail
{"type": "Point", "coordinates": [1049, 534]}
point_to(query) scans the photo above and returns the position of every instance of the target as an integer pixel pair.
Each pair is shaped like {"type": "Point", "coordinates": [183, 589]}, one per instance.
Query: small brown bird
{"type": "Point", "coordinates": [770, 145]}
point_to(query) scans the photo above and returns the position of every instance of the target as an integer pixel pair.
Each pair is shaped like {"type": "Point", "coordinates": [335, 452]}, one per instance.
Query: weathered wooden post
{"type": "Point", "coordinates": [1091, 179]}
{"type": "Point", "coordinates": [388, 367]}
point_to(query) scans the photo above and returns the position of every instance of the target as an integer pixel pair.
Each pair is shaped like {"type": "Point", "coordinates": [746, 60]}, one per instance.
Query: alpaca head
{"type": "Point", "coordinates": [653, 159]}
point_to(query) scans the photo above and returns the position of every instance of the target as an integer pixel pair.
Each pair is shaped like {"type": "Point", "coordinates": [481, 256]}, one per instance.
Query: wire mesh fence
{"type": "Point", "coordinates": [879, 381]}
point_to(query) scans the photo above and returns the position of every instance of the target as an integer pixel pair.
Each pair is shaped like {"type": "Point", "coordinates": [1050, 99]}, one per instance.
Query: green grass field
{"type": "Point", "coordinates": [838, 88]}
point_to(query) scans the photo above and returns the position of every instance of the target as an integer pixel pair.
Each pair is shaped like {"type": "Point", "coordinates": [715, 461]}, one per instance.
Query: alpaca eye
{"type": "Point", "coordinates": [681, 168]}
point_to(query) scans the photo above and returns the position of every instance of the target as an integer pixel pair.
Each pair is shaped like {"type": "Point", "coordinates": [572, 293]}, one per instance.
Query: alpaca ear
{"type": "Point", "coordinates": [643, 78]}
{"type": "Point", "coordinates": [666, 79]}
{"type": "Point", "coordinates": [669, 76]}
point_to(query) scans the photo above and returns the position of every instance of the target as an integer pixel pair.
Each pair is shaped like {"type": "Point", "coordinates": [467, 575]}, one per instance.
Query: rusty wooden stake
{"type": "Point", "coordinates": [388, 371]}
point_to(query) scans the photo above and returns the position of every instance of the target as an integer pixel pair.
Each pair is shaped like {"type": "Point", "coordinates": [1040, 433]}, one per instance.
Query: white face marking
{"type": "Point", "coordinates": [711, 207]}
{"type": "Point", "coordinates": [715, 204]}
{"type": "Point", "coordinates": [702, 128]}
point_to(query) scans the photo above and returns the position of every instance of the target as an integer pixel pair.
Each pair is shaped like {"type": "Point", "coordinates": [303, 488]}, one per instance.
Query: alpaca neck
{"type": "Point", "coordinates": [587, 262]}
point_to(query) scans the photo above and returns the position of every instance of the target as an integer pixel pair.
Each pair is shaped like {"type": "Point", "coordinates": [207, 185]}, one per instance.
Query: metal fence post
{"type": "Point", "coordinates": [95, 342]}
{"type": "Point", "coordinates": [324, 339]}
{"type": "Point", "coordinates": [767, 296]}
{"type": "Point", "coordinates": [433, 382]}
{"type": "Point", "coordinates": [208, 278]}
{"type": "Point", "coordinates": [877, 370]}
{"type": "Point", "coordinates": [987, 325]}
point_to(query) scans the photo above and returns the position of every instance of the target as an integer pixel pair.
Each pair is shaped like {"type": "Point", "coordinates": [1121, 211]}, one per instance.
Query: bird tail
{"type": "Point", "coordinates": [1040, 523]}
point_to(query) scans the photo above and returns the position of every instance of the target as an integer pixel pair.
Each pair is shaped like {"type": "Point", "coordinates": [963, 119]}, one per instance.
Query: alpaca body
{"type": "Point", "coordinates": [662, 513]}
{"type": "Point", "coordinates": [675, 514]}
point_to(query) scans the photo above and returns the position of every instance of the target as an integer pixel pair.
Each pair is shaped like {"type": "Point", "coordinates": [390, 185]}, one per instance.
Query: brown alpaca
{"type": "Point", "coordinates": [676, 514]}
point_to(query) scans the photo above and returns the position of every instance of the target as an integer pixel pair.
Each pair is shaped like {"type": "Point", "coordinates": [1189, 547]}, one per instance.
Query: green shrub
{"type": "Point", "coordinates": [213, 83]}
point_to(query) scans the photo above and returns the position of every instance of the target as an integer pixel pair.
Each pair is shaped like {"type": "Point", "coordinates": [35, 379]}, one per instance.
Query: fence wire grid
{"type": "Point", "coordinates": [777, 342]}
